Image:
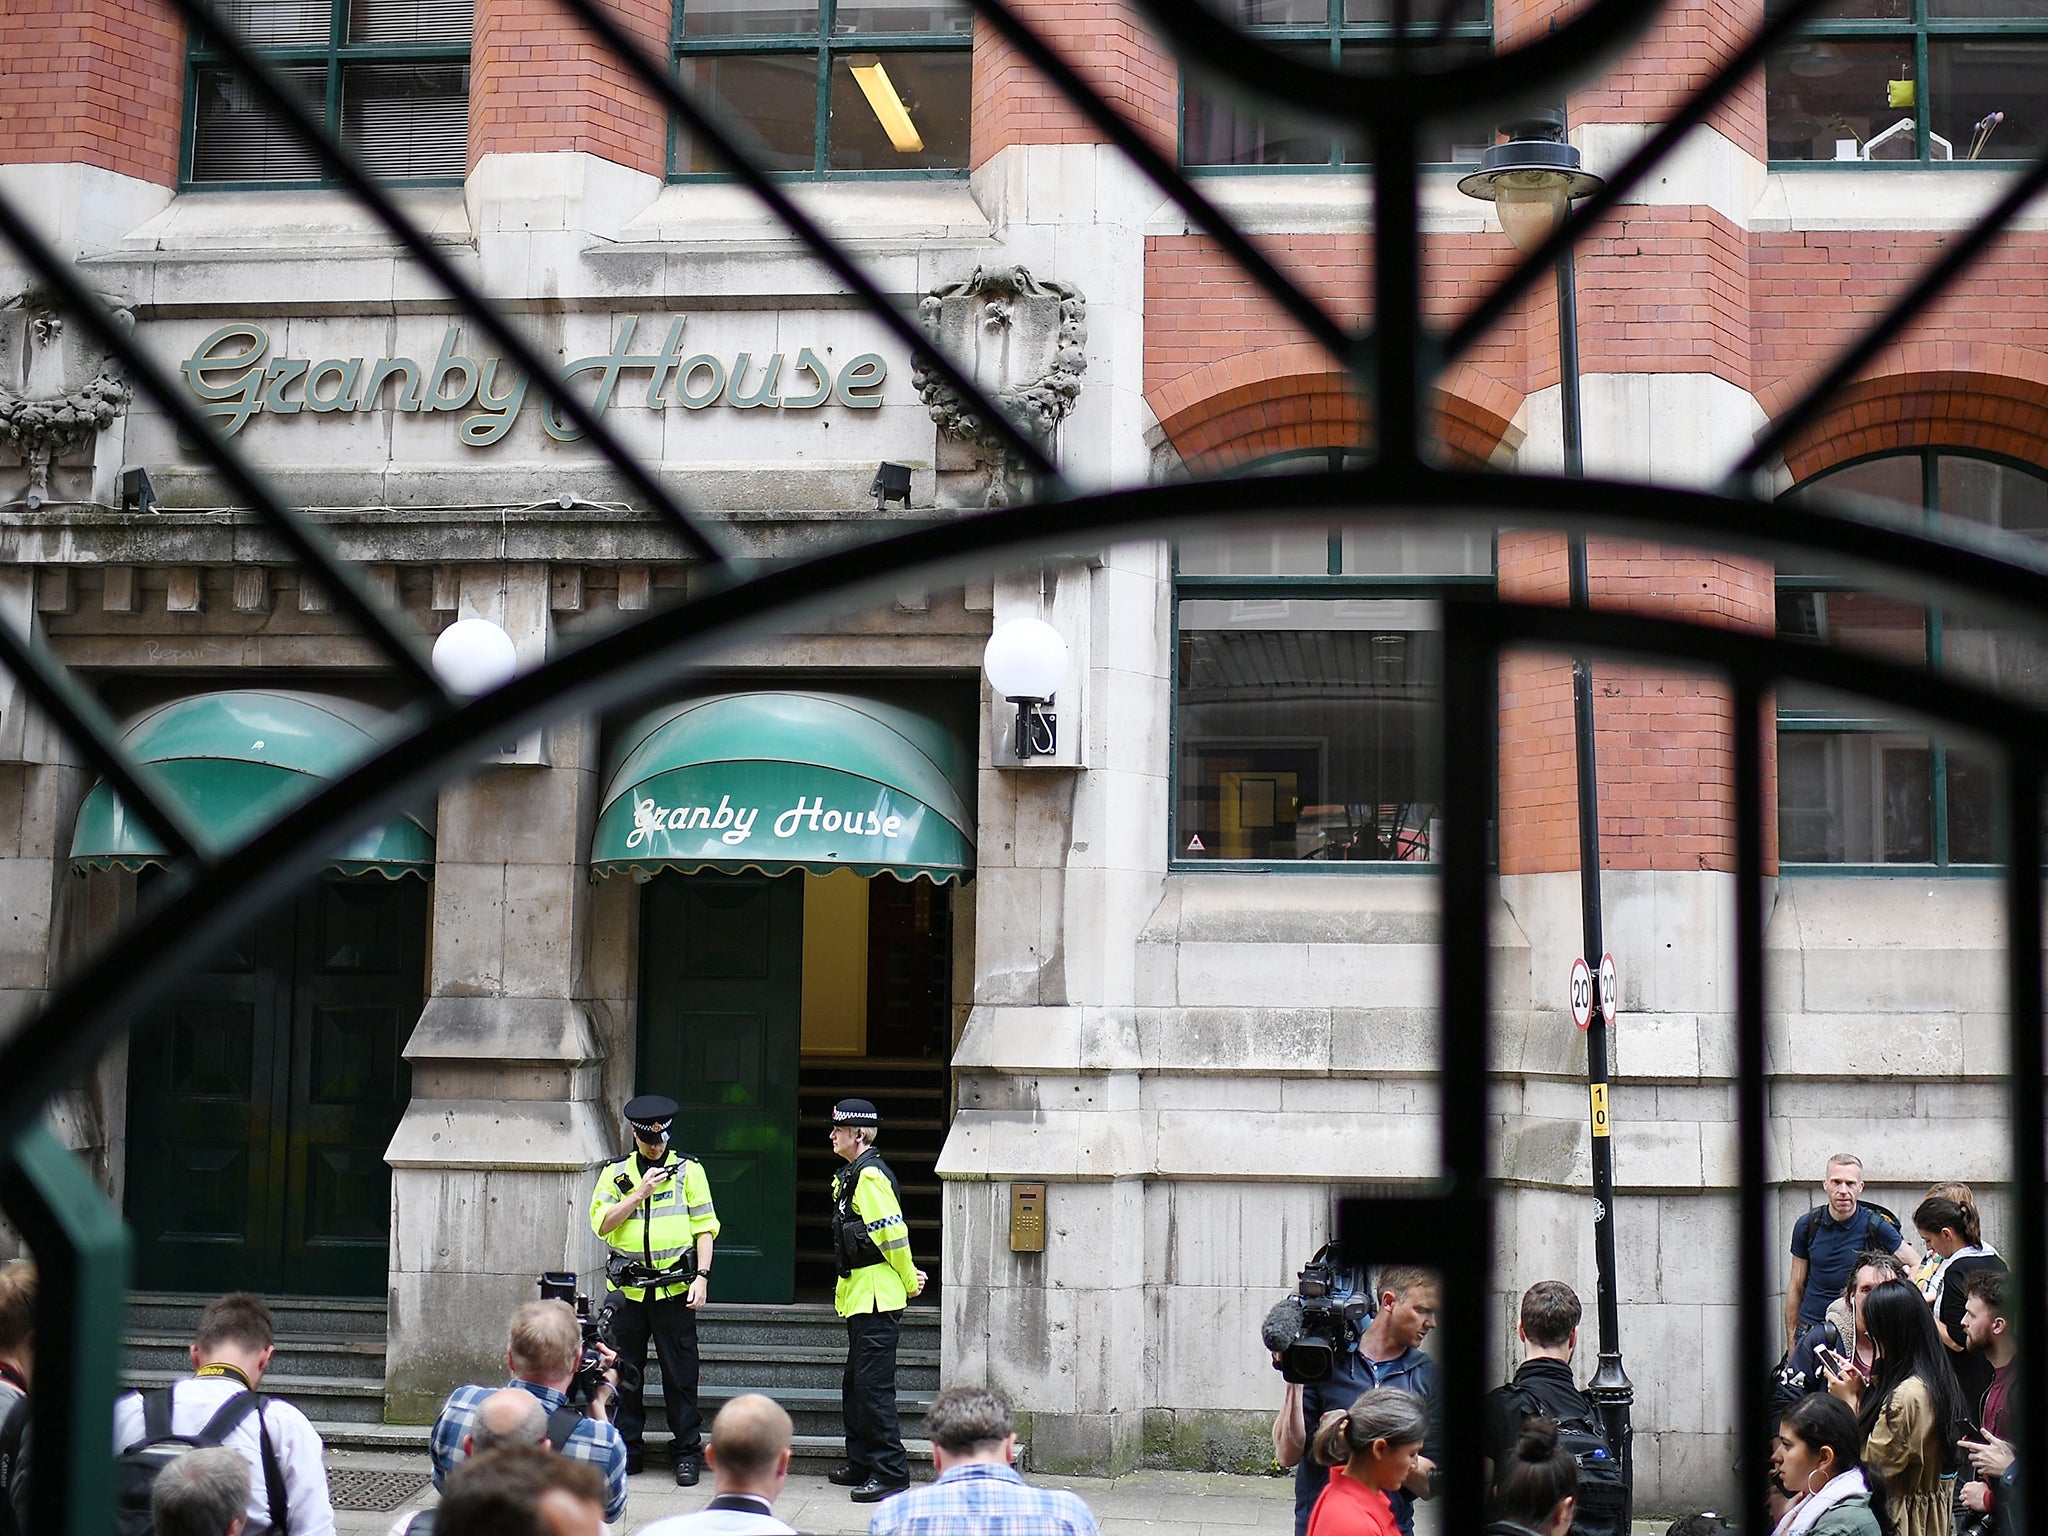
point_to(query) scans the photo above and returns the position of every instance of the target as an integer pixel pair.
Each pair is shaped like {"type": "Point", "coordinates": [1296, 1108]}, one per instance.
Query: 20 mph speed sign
{"type": "Point", "coordinates": [1582, 994]}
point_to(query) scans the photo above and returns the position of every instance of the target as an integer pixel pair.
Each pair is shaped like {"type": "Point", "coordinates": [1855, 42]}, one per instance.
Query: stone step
{"type": "Point", "coordinates": [177, 1312]}
{"type": "Point", "coordinates": [811, 1453]}
{"type": "Point", "coordinates": [814, 1410]}
{"type": "Point", "coordinates": [354, 1356]}
{"type": "Point", "coordinates": [804, 1325]}
{"type": "Point", "coordinates": [324, 1399]}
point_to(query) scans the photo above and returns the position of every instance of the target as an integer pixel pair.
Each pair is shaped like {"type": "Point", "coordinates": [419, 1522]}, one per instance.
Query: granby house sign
{"type": "Point", "coordinates": [235, 378]}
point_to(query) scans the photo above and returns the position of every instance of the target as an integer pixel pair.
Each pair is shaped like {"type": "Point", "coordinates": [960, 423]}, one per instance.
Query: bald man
{"type": "Point", "coordinates": [749, 1463]}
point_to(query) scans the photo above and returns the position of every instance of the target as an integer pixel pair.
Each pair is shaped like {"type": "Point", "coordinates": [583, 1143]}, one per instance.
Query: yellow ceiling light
{"type": "Point", "coordinates": [889, 110]}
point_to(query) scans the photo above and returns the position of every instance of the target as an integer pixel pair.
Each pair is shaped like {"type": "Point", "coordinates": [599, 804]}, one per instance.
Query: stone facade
{"type": "Point", "coordinates": [1196, 1063]}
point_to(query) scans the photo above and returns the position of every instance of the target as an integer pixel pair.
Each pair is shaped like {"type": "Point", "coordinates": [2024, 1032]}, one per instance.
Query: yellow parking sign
{"type": "Point", "coordinates": [1599, 1109]}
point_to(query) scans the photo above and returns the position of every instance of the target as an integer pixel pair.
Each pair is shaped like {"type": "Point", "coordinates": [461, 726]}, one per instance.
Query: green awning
{"type": "Point", "coordinates": [785, 780]}
{"type": "Point", "coordinates": [237, 760]}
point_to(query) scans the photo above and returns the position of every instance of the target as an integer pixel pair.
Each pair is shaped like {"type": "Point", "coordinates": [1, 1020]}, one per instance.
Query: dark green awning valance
{"type": "Point", "coordinates": [785, 780]}
{"type": "Point", "coordinates": [237, 760]}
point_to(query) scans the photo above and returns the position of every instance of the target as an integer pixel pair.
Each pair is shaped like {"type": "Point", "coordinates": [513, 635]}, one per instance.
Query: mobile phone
{"type": "Point", "coordinates": [1973, 1431]}
{"type": "Point", "coordinates": [1831, 1360]}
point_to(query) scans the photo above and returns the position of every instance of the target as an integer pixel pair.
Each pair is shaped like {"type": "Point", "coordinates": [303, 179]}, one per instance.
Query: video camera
{"type": "Point", "coordinates": [560, 1285]}
{"type": "Point", "coordinates": [1310, 1330]}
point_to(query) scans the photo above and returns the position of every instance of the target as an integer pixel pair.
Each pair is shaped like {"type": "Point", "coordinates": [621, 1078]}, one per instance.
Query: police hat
{"type": "Point", "coordinates": [651, 1115]}
{"type": "Point", "coordinates": [858, 1113]}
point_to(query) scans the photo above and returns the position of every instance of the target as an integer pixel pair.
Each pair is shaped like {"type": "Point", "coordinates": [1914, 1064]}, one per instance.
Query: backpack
{"type": "Point", "coordinates": [137, 1467]}
{"type": "Point", "coordinates": [1603, 1491]}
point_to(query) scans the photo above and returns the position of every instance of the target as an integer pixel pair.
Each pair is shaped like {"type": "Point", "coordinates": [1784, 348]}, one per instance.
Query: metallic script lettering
{"type": "Point", "coordinates": [235, 378]}
{"type": "Point", "coordinates": [735, 824]}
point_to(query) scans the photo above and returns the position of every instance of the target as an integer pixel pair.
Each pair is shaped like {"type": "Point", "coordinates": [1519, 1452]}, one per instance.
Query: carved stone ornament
{"type": "Point", "coordinates": [1023, 341]}
{"type": "Point", "coordinates": [57, 394]}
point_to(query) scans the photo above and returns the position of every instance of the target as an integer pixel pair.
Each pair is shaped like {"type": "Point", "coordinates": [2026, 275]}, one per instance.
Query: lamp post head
{"type": "Point", "coordinates": [1531, 180]}
{"type": "Point", "coordinates": [474, 656]}
{"type": "Point", "coordinates": [1025, 659]}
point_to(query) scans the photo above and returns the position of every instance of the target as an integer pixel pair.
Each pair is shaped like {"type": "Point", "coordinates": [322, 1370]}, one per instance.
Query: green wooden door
{"type": "Point", "coordinates": [262, 1095]}
{"type": "Point", "coordinates": [721, 984]}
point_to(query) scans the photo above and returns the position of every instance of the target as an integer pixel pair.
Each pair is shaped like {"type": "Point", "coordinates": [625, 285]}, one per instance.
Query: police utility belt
{"type": "Point", "coordinates": [622, 1270]}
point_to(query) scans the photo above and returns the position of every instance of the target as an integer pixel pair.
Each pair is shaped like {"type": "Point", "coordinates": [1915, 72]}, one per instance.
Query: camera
{"type": "Point", "coordinates": [560, 1285]}
{"type": "Point", "coordinates": [1310, 1330]}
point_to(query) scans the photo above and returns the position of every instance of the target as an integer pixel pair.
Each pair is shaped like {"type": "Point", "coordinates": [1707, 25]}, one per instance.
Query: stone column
{"type": "Point", "coordinates": [492, 1163]}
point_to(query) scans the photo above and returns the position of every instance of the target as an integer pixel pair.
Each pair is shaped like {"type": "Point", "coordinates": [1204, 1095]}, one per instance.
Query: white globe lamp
{"type": "Point", "coordinates": [1026, 662]}
{"type": "Point", "coordinates": [474, 656]}
{"type": "Point", "coordinates": [1025, 659]}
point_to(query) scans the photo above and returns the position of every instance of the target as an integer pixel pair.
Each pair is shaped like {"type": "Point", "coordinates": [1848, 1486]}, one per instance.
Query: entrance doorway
{"type": "Point", "coordinates": [262, 1095]}
{"type": "Point", "coordinates": [763, 1001]}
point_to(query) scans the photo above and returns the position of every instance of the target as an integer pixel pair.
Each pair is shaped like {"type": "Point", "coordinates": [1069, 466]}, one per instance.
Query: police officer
{"type": "Point", "coordinates": [654, 1209]}
{"type": "Point", "coordinates": [871, 1247]}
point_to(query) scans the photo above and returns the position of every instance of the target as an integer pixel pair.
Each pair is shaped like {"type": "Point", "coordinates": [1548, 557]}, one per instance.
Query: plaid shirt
{"type": "Point", "coordinates": [982, 1497]}
{"type": "Point", "coordinates": [592, 1441]}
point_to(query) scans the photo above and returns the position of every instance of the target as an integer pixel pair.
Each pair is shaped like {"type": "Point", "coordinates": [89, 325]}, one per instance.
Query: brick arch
{"type": "Point", "coordinates": [1989, 397]}
{"type": "Point", "coordinates": [1256, 404]}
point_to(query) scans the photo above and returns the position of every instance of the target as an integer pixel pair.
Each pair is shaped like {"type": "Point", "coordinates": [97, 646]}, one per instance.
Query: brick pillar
{"type": "Point", "coordinates": [538, 82]}
{"type": "Point", "coordinates": [1664, 740]}
{"type": "Point", "coordinates": [92, 82]}
{"type": "Point", "coordinates": [1103, 40]}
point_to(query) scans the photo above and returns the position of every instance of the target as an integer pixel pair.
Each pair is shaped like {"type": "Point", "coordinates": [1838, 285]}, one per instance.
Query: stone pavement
{"type": "Point", "coordinates": [1138, 1504]}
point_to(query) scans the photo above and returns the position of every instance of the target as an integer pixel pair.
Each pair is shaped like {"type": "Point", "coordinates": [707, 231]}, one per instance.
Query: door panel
{"type": "Point", "coordinates": [202, 1178]}
{"type": "Point", "coordinates": [720, 1005]}
{"type": "Point", "coordinates": [262, 1097]}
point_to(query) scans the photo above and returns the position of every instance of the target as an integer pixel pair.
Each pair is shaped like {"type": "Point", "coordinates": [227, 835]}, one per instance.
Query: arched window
{"type": "Point", "coordinates": [1858, 790]}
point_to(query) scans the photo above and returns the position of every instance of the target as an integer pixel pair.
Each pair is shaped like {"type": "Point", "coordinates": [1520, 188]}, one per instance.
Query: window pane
{"type": "Point", "coordinates": [900, 111]}
{"type": "Point", "coordinates": [1218, 133]}
{"type": "Point", "coordinates": [728, 18]}
{"type": "Point", "coordinates": [1308, 730]}
{"type": "Point", "coordinates": [1423, 18]}
{"type": "Point", "coordinates": [1439, 143]}
{"type": "Point", "coordinates": [772, 98]}
{"type": "Point", "coordinates": [1854, 798]}
{"type": "Point", "coordinates": [955, 19]}
{"type": "Point", "coordinates": [1977, 76]}
{"type": "Point", "coordinates": [1871, 622]}
{"type": "Point", "coordinates": [1976, 800]}
{"type": "Point", "coordinates": [1942, 10]}
{"type": "Point", "coordinates": [2012, 662]}
{"type": "Point", "coordinates": [1296, 551]}
{"type": "Point", "coordinates": [1416, 552]}
{"type": "Point", "coordinates": [411, 21]}
{"type": "Point", "coordinates": [1825, 97]}
{"type": "Point", "coordinates": [1853, 10]}
{"type": "Point", "coordinates": [1896, 479]}
{"type": "Point", "coordinates": [1272, 13]}
{"type": "Point", "coordinates": [279, 23]}
{"type": "Point", "coordinates": [236, 138]}
{"type": "Point", "coordinates": [407, 119]}
{"type": "Point", "coordinates": [1998, 494]}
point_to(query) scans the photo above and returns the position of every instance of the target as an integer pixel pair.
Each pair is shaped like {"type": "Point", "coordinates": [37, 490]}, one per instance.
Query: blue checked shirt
{"type": "Point", "coordinates": [983, 1499]}
{"type": "Point", "coordinates": [591, 1441]}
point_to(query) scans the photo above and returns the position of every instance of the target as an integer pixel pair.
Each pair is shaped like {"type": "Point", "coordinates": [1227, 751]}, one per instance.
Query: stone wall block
{"type": "Point", "coordinates": [1007, 916]}
{"type": "Point", "coordinates": [1657, 1046]}
{"type": "Point", "coordinates": [1202, 1347]}
{"type": "Point", "coordinates": [540, 929]}
{"type": "Point", "coordinates": [1237, 1040]}
{"type": "Point", "coordinates": [520, 815]}
{"type": "Point", "coordinates": [1247, 1237]}
{"type": "Point", "coordinates": [1390, 1040]}
{"type": "Point", "coordinates": [1253, 1146]}
{"type": "Point", "coordinates": [468, 952]}
{"type": "Point", "coordinates": [1917, 1043]}
{"type": "Point", "coordinates": [1222, 1092]}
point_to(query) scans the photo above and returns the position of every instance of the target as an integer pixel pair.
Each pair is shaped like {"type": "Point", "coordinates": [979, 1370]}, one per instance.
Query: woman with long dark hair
{"type": "Point", "coordinates": [1910, 1410]}
{"type": "Point", "coordinates": [1818, 1459]}
{"type": "Point", "coordinates": [1536, 1488]}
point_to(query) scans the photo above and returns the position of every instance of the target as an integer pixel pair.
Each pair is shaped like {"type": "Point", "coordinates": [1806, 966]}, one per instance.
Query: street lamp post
{"type": "Point", "coordinates": [1532, 180]}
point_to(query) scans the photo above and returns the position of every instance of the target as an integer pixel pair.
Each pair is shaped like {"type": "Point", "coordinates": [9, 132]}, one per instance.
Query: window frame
{"type": "Point", "coordinates": [1920, 28]}
{"type": "Point", "coordinates": [1336, 32]}
{"type": "Point", "coordinates": [336, 55]}
{"type": "Point", "coordinates": [1333, 585]}
{"type": "Point", "coordinates": [1837, 723]}
{"type": "Point", "coordinates": [827, 48]}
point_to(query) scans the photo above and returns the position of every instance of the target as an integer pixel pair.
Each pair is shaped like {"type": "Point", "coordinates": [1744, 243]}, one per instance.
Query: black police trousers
{"type": "Point", "coordinates": [673, 1327]}
{"type": "Point", "coordinates": [867, 1397]}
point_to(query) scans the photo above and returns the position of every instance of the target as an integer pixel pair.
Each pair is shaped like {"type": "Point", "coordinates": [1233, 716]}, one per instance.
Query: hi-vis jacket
{"type": "Point", "coordinates": [665, 1226]}
{"type": "Point", "coordinates": [870, 1240]}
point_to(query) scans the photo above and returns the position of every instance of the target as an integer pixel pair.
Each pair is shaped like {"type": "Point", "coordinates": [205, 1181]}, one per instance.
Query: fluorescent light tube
{"type": "Point", "coordinates": [880, 91]}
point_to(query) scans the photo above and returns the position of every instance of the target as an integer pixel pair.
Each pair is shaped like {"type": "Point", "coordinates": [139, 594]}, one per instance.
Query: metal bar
{"type": "Point", "coordinates": [1961, 250]}
{"type": "Point", "coordinates": [1778, 26]}
{"type": "Point", "coordinates": [379, 201]}
{"type": "Point", "coordinates": [88, 728]}
{"type": "Point", "coordinates": [304, 541]}
{"type": "Point", "coordinates": [1300, 307]}
{"type": "Point", "coordinates": [1471, 728]}
{"type": "Point", "coordinates": [82, 1252]}
{"type": "Point", "coordinates": [657, 79]}
{"type": "Point", "coordinates": [1752, 1277]}
{"type": "Point", "coordinates": [2028, 1067]}
{"type": "Point", "coordinates": [1397, 337]}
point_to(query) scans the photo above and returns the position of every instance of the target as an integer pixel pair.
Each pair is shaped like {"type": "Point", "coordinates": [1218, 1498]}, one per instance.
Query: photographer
{"type": "Point", "coordinates": [1385, 1353]}
{"type": "Point", "coordinates": [543, 1353]}
{"type": "Point", "coordinates": [654, 1208]}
